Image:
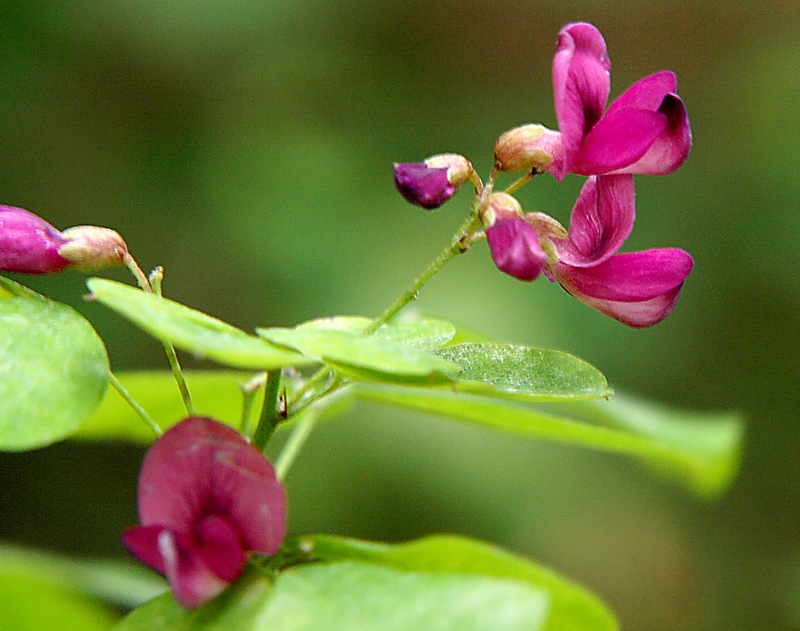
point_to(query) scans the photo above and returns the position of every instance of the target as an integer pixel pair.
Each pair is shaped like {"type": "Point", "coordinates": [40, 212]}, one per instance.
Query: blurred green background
{"type": "Point", "coordinates": [246, 146]}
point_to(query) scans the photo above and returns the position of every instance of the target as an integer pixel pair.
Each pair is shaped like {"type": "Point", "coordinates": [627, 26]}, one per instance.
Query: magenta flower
{"type": "Point", "coordinates": [512, 241]}
{"type": "Point", "coordinates": [28, 244]}
{"type": "Point", "coordinates": [206, 498]}
{"type": "Point", "coordinates": [431, 183]}
{"type": "Point", "coordinates": [646, 130]}
{"type": "Point", "coordinates": [637, 288]}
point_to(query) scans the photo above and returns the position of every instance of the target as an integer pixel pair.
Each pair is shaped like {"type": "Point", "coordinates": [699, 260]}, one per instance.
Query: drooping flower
{"type": "Point", "coordinates": [431, 183]}
{"type": "Point", "coordinates": [636, 288]}
{"type": "Point", "coordinates": [645, 131]}
{"type": "Point", "coordinates": [206, 498]}
{"type": "Point", "coordinates": [30, 245]}
{"type": "Point", "coordinates": [513, 241]}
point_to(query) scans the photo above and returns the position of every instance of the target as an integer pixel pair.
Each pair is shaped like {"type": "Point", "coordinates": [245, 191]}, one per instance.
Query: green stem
{"type": "Point", "coordinates": [249, 390]}
{"type": "Point", "coordinates": [458, 245]}
{"type": "Point", "coordinates": [294, 444]}
{"type": "Point", "coordinates": [156, 276]}
{"type": "Point", "coordinates": [270, 415]}
{"type": "Point", "coordinates": [136, 407]}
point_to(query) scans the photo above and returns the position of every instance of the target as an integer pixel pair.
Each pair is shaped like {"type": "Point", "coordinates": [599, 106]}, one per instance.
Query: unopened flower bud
{"type": "Point", "coordinates": [527, 148]}
{"type": "Point", "coordinates": [91, 247]}
{"type": "Point", "coordinates": [431, 183]}
{"type": "Point", "coordinates": [500, 206]}
{"type": "Point", "coordinates": [28, 244]}
{"type": "Point", "coordinates": [513, 241]}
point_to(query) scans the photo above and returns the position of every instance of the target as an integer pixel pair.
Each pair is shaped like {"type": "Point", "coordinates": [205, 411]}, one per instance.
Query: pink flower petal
{"type": "Point", "coordinates": [581, 84]}
{"type": "Point", "coordinates": [618, 140]}
{"type": "Point", "coordinates": [220, 546]}
{"type": "Point", "coordinates": [191, 580]}
{"type": "Point", "coordinates": [601, 220]}
{"type": "Point", "coordinates": [638, 288]}
{"type": "Point", "coordinates": [670, 150]}
{"type": "Point", "coordinates": [201, 467]}
{"type": "Point", "coordinates": [647, 93]}
{"type": "Point", "coordinates": [515, 248]}
{"type": "Point", "coordinates": [142, 541]}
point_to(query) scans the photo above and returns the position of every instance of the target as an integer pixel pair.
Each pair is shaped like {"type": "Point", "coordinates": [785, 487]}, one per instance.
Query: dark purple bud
{"type": "Point", "coordinates": [207, 498]}
{"type": "Point", "coordinates": [431, 183]}
{"type": "Point", "coordinates": [28, 244]}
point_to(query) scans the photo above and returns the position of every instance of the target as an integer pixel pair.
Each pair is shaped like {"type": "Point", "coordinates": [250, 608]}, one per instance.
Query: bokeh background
{"type": "Point", "coordinates": [246, 146]}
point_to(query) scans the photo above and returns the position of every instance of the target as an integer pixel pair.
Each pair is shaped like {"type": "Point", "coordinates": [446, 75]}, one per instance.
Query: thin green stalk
{"type": "Point", "coordinates": [456, 246]}
{"type": "Point", "coordinates": [156, 276]}
{"type": "Point", "coordinates": [460, 243]}
{"type": "Point", "coordinates": [136, 407]}
{"type": "Point", "coordinates": [249, 390]}
{"type": "Point", "coordinates": [294, 444]}
{"type": "Point", "coordinates": [270, 414]}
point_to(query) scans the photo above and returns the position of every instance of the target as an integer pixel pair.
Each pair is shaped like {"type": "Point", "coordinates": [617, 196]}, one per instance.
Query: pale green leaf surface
{"type": "Point", "coordinates": [524, 373]}
{"type": "Point", "coordinates": [436, 584]}
{"type": "Point", "coordinates": [192, 330]}
{"type": "Point", "coordinates": [29, 603]}
{"type": "Point", "coordinates": [53, 369]}
{"type": "Point", "coordinates": [125, 583]}
{"type": "Point", "coordinates": [571, 607]}
{"type": "Point", "coordinates": [678, 459]}
{"type": "Point", "coordinates": [370, 353]}
{"type": "Point", "coordinates": [425, 333]}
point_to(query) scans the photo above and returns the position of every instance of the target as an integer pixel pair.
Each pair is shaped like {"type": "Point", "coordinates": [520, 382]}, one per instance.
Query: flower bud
{"type": "Point", "coordinates": [431, 183]}
{"type": "Point", "coordinates": [513, 241]}
{"type": "Point", "coordinates": [91, 247]}
{"type": "Point", "coordinates": [499, 206]}
{"type": "Point", "coordinates": [527, 148]}
{"type": "Point", "coordinates": [28, 244]}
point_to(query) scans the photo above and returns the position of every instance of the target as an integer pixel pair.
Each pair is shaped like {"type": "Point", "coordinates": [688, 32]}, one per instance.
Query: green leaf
{"type": "Point", "coordinates": [571, 607]}
{"type": "Point", "coordinates": [425, 334]}
{"type": "Point", "coordinates": [524, 373]}
{"type": "Point", "coordinates": [53, 369]}
{"type": "Point", "coordinates": [31, 603]}
{"type": "Point", "coordinates": [124, 583]}
{"type": "Point", "coordinates": [714, 439]}
{"type": "Point", "coordinates": [438, 583]}
{"type": "Point", "coordinates": [703, 458]}
{"type": "Point", "coordinates": [192, 330]}
{"type": "Point", "coordinates": [356, 354]}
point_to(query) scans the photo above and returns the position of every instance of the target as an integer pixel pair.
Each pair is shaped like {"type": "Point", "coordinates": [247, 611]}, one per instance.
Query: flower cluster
{"type": "Point", "coordinates": [207, 497]}
{"type": "Point", "coordinates": [645, 131]}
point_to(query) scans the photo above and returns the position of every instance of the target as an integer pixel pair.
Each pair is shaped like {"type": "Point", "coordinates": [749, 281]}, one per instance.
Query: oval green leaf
{"type": "Point", "coordinates": [192, 330]}
{"type": "Point", "coordinates": [343, 349]}
{"type": "Point", "coordinates": [704, 458]}
{"type": "Point", "coordinates": [426, 334]}
{"type": "Point", "coordinates": [53, 369]}
{"type": "Point", "coordinates": [524, 373]}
